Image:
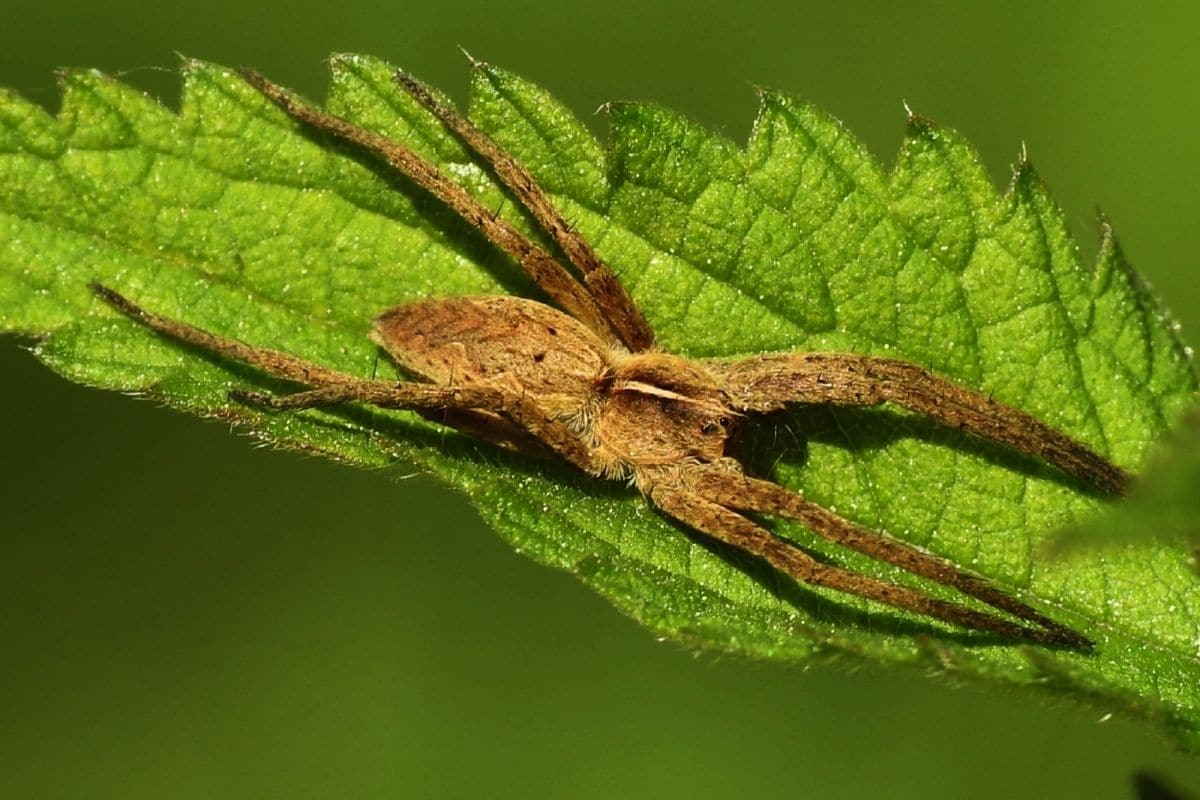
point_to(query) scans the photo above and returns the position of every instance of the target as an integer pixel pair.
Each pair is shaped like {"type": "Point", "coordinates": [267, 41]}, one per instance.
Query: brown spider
{"type": "Point", "coordinates": [589, 385]}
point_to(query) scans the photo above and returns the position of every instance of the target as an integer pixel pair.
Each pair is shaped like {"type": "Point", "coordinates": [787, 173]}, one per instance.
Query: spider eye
{"type": "Point", "coordinates": [708, 428]}
{"type": "Point", "coordinates": [724, 422]}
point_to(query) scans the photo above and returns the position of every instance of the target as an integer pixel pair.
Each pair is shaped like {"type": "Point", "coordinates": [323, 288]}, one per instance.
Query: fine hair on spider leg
{"type": "Point", "coordinates": [585, 382]}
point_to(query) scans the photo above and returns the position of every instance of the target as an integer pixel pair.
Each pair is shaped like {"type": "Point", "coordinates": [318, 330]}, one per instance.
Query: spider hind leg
{"type": "Point", "coordinates": [707, 505]}
{"type": "Point", "coordinates": [772, 382]}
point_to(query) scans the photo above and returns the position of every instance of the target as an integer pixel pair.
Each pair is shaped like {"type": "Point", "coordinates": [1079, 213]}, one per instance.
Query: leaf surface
{"type": "Point", "coordinates": [229, 217]}
{"type": "Point", "coordinates": [1164, 506]}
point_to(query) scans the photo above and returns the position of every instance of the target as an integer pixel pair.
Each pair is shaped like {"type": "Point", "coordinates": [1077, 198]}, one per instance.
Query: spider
{"type": "Point", "coordinates": [585, 381]}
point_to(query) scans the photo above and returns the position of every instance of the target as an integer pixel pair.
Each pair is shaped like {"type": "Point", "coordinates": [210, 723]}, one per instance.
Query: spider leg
{"type": "Point", "coordinates": [491, 428]}
{"type": "Point", "coordinates": [743, 493]}
{"type": "Point", "coordinates": [772, 382]}
{"type": "Point", "coordinates": [331, 387]}
{"type": "Point", "coordinates": [313, 398]}
{"type": "Point", "coordinates": [541, 266]}
{"type": "Point", "coordinates": [619, 310]}
{"type": "Point", "coordinates": [477, 424]}
{"type": "Point", "coordinates": [719, 522]}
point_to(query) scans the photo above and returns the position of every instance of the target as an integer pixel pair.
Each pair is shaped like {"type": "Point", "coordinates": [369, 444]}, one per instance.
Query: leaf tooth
{"type": "Point", "coordinates": [952, 153]}
{"type": "Point", "coordinates": [545, 135]}
{"type": "Point", "coordinates": [364, 91]}
{"type": "Point", "coordinates": [651, 145]}
{"type": "Point", "coordinates": [220, 103]}
{"type": "Point", "coordinates": [27, 127]}
{"type": "Point", "coordinates": [1138, 331]}
{"type": "Point", "coordinates": [337, 62]}
{"type": "Point", "coordinates": [1061, 251]}
{"type": "Point", "coordinates": [939, 190]}
{"type": "Point", "coordinates": [91, 121]}
{"type": "Point", "coordinates": [808, 130]}
{"type": "Point", "coordinates": [682, 188]}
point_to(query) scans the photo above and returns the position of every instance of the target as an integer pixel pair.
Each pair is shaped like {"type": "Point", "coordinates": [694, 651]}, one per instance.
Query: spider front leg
{"type": "Point", "coordinates": [713, 519]}
{"type": "Point", "coordinates": [331, 387]}
{"type": "Point", "coordinates": [738, 491]}
{"type": "Point", "coordinates": [535, 260]}
{"type": "Point", "coordinates": [772, 382]}
{"type": "Point", "coordinates": [618, 307]}
{"type": "Point", "coordinates": [485, 425]}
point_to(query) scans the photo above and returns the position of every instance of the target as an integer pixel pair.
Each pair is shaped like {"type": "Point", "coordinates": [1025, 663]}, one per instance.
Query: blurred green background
{"type": "Point", "coordinates": [188, 616]}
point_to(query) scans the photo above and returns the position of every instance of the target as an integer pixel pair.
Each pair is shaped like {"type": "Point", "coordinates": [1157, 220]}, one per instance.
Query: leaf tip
{"type": "Point", "coordinates": [769, 98]}
{"type": "Point", "coordinates": [917, 125]}
{"type": "Point", "coordinates": [1024, 173]}
{"type": "Point", "coordinates": [1105, 229]}
{"type": "Point", "coordinates": [475, 63]}
{"type": "Point", "coordinates": [196, 66]}
{"type": "Point", "coordinates": [770, 103]}
{"type": "Point", "coordinates": [75, 77]}
{"type": "Point", "coordinates": [340, 62]}
{"type": "Point", "coordinates": [618, 111]}
{"type": "Point", "coordinates": [1025, 178]}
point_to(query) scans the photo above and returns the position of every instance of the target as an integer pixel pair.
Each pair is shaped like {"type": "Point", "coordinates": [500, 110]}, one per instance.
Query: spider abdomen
{"type": "Point", "coordinates": [464, 340]}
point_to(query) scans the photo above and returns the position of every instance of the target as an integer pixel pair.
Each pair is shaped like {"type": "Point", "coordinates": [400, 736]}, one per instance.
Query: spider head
{"type": "Point", "coordinates": [660, 409]}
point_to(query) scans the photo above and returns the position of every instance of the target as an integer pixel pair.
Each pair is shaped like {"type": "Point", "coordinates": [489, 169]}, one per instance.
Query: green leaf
{"type": "Point", "coordinates": [229, 217]}
{"type": "Point", "coordinates": [1164, 506]}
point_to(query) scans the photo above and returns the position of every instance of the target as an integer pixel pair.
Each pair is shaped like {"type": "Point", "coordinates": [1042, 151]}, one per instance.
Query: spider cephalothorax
{"type": "Point", "coordinates": [662, 411]}
{"type": "Point", "coordinates": [585, 382]}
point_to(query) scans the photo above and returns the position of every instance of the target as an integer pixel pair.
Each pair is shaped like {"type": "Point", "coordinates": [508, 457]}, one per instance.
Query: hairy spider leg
{"type": "Point", "coordinates": [715, 520]}
{"type": "Point", "coordinates": [615, 303]}
{"type": "Point", "coordinates": [737, 491]}
{"type": "Point", "coordinates": [772, 382]}
{"type": "Point", "coordinates": [331, 387]}
{"type": "Point", "coordinates": [551, 276]}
